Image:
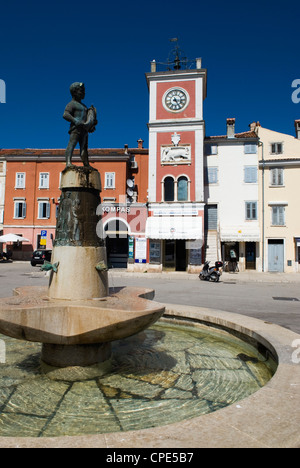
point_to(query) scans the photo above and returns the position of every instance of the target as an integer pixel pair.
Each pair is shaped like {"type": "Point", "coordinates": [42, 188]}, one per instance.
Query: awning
{"type": "Point", "coordinates": [174, 227]}
{"type": "Point", "coordinates": [240, 234]}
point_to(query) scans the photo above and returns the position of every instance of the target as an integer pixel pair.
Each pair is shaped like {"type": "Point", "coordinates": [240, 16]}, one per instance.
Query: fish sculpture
{"type": "Point", "coordinates": [101, 266]}
{"type": "Point", "coordinates": [48, 266]}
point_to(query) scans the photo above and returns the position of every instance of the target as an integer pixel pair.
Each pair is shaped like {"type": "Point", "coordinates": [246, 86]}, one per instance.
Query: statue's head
{"type": "Point", "coordinates": [77, 90]}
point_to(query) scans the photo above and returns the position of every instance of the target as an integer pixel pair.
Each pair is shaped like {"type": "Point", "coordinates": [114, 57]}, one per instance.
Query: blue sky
{"type": "Point", "coordinates": [250, 49]}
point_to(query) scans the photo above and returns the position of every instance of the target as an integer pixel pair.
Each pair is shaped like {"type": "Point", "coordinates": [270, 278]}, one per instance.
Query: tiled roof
{"type": "Point", "coordinates": [237, 135]}
{"type": "Point", "coordinates": [31, 152]}
{"type": "Point", "coordinates": [277, 160]}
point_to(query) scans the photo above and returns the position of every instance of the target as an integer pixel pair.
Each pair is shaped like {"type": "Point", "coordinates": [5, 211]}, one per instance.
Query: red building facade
{"type": "Point", "coordinates": [175, 226]}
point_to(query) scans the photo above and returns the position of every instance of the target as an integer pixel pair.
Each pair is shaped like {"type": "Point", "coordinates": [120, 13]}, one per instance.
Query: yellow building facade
{"type": "Point", "coordinates": [279, 196]}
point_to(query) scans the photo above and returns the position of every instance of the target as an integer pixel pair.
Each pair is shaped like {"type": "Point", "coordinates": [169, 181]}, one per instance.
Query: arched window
{"type": "Point", "coordinates": [169, 189]}
{"type": "Point", "coordinates": [182, 189]}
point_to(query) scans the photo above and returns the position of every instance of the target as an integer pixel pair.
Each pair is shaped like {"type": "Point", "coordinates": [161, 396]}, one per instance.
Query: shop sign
{"type": "Point", "coordinates": [115, 209]}
{"type": "Point", "coordinates": [140, 250]}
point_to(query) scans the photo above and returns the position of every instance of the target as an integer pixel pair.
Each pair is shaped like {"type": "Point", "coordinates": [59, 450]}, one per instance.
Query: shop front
{"type": "Point", "coordinates": [175, 241]}
{"type": "Point", "coordinates": [240, 247]}
{"type": "Point", "coordinates": [124, 232]}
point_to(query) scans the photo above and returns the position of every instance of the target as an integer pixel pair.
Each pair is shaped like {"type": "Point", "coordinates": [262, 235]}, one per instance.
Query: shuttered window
{"type": "Point", "coordinates": [211, 175]}
{"type": "Point", "coordinates": [278, 215]}
{"type": "Point", "coordinates": [250, 174]}
{"type": "Point", "coordinates": [276, 176]}
{"type": "Point", "coordinates": [44, 210]}
{"type": "Point", "coordinates": [44, 180]}
{"type": "Point", "coordinates": [20, 210]}
{"type": "Point", "coordinates": [20, 180]}
{"type": "Point", "coordinates": [211, 217]}
{"type": "Point", "coordinates": [110, 179]}
{"type": "Point", "coordinates": [251, 210]}
{"type": "Point", "coordinates": [250, 148]}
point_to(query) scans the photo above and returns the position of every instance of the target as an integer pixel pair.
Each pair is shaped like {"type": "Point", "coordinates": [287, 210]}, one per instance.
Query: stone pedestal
{"type": "Point", "coordinates": [77, 277]}
{"type": "Point", "coordinates": [78, 251]}
{"type": "Point", "coordinates": [75, 355]}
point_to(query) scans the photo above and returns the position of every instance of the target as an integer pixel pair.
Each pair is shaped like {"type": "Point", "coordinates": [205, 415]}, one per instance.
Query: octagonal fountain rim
{"type": "Point", "coordinates": [268, 418]}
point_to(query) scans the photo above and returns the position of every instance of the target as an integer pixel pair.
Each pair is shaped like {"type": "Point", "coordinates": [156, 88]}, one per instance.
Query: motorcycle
{"type": "Point", "coordinates": [211, 273]}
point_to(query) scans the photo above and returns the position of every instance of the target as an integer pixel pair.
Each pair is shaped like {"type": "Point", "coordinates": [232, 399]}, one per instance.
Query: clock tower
{"type": "Point", "coordinates": [176, 175]}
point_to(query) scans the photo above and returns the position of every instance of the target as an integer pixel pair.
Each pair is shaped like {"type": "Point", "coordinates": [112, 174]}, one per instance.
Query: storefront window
{"type": "Point", "coordinates": [155, 254]}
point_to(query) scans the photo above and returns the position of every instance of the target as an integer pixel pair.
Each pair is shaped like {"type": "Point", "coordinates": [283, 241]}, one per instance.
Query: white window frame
{"type": "Point", "coordinates": [279, 215]}
{"type": "Point", "coordinates": [249, 206]}
{"type": "Point", "coordinates": [41, 209]}
{"type": "Point", "coordinates": [20, 181]}
{"type": "Point", "coordinates": [212, 175]}
{"type": "Point", "coordinates": [110, 180]}
{"type": "Point", "coordinates": [44, 180]}
{"type": "Point", "coordinates": [250, 148]}
{"type": "Point", "coordinates": [212, 149]}
{"type": "Point", "coordinates": [250, 174]}
{"type": "Point", "coordinates": [276, 176]}
{"type": "Point", "coordinates": [276, 147]}
{"type": "Point", "coordinates": [17, 209]}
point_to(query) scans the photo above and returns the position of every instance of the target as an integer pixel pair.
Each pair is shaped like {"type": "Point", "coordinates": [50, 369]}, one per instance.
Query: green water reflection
{"type": "Point", "coordinates": [166, 374]}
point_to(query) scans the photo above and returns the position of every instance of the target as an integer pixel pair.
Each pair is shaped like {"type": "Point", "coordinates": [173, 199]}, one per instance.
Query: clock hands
{"type": "Point", "coordinates": [175, 100]}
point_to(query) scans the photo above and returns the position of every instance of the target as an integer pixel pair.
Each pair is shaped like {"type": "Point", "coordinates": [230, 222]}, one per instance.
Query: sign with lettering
{"type": "Point", "coordinates": [140, 250]}
{"type": "Point", "coordinates": [115, 209]}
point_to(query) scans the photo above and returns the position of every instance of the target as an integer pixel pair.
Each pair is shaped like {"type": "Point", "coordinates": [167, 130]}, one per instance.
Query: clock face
{"type": "Point", "coordinates": [175, 99]}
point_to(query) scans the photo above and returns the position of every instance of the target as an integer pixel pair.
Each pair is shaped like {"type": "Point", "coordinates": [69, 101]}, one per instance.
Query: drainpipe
{"type": "Point", "coordinates": [260, 143]}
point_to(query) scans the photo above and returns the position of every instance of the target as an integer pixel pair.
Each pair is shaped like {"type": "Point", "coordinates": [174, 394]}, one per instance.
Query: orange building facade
{"type": "Point", "coordinates": [32, 192]}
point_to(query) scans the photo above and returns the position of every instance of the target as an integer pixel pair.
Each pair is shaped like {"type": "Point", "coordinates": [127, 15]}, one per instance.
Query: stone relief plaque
{"type": "Point", "coordinates": [176, 154]}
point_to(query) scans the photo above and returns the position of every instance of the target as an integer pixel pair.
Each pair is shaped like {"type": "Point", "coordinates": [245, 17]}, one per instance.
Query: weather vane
{"type": "Point", "coordinates": [176, 59]}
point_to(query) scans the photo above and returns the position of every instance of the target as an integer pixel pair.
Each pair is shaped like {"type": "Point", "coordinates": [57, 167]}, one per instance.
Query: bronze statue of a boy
{"type": "Point", "coordinates": [83, 121]}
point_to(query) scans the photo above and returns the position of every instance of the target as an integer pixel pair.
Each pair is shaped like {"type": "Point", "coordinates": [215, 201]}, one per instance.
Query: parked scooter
{"type": "Point", "coordinates": [211, 273]}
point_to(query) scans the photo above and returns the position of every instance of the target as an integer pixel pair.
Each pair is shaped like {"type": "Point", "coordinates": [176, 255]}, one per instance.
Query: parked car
{"type": "Point", "coordinates": [39, 257]}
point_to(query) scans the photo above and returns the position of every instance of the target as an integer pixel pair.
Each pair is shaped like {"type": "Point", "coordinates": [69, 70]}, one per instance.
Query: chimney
{"type": "Point", "coordinates": [253, 126]}
{"type": "Point", "coordinates": [198, 63]}
{"type": "Point", "coordinates": [230, 128]}
{"type": "Point", "coordinates": [297, 128]}
{"type": "Point", "coordinates": [140, 143]}
{"type": "Point", "coordinates": [153, 66]}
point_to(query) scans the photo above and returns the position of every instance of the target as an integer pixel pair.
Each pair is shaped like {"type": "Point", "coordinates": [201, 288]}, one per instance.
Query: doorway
{"type": "Point", "coordinates": [250, 256]}
{"type": "Point", "coordinates": [175, 257]}
{"type": "Point", "coordinates": [276, 255]}
{"type": "Point", "coordinates": [117, 244]}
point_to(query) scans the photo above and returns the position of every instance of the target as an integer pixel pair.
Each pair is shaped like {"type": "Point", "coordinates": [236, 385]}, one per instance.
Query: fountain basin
{"type": "Point", "coordinates": [268, 418]}
{"type": "Point", "coordinates": [77, 333]}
